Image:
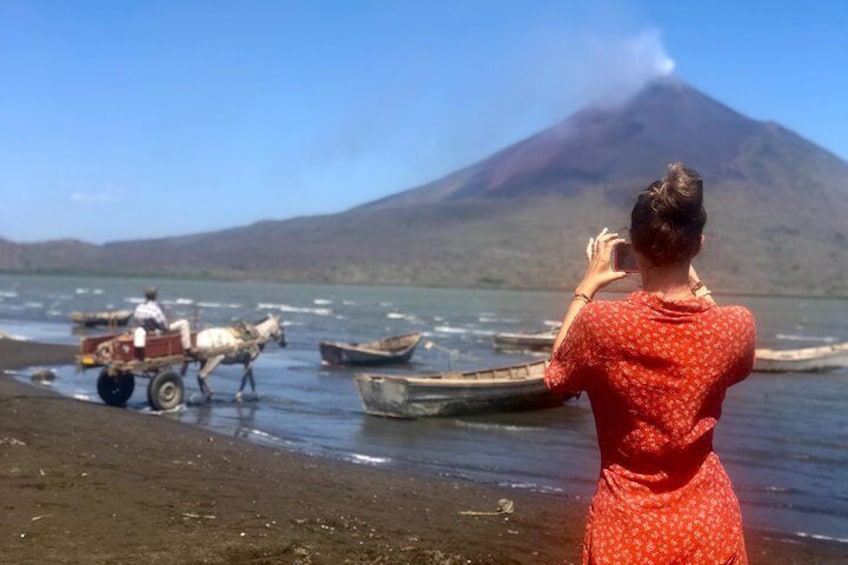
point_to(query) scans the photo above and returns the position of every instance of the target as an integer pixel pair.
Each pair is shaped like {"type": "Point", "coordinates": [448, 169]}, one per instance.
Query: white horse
{"type": "Point", "coordinates": [252, 337]}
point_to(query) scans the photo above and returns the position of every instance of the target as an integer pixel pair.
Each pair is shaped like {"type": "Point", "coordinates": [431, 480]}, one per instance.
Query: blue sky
{"type": "Point", "coordinates": [127, 119]}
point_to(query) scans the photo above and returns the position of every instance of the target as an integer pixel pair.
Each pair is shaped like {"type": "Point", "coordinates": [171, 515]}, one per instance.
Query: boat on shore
{"type": "Point", "coordinates": [106, 318]}
{"type": "Point", "coordinates": [385, 351]}
{"type": "Point", "coordinates": [519, 342]}
{"type": "Point", "coordinates": [805, 359]}
{"type": "Point", "coordinates": [504, 389]}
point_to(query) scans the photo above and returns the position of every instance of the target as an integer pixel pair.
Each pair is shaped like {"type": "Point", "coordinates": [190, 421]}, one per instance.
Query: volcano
{"type": "Point", "coordinates": [777, 207]}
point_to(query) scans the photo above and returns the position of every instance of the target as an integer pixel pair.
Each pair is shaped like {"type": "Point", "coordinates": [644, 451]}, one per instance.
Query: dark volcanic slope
{"type": "Point", "coordinates": [630, 144]}
{"type": "Point", "coordinates": [777, 207]}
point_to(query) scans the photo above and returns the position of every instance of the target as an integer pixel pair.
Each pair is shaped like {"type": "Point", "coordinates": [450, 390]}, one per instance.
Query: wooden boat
{"type": "Point", "coordinates": [806, 359]}
{"type": "Point", "coordinates": [518, 387]}
{"type": "Point", "coordinates": [107, 318]}
{"type": "Point", "coordinates": [517, 342]}
{"type": "Point", "coordinates": [385, 351]}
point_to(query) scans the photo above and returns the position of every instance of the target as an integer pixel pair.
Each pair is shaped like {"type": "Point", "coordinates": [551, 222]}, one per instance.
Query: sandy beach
{"type": "Point", "coordinates": [86, 483]}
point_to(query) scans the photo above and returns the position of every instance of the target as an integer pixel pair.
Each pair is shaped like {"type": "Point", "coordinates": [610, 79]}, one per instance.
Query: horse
{"type": "Point", "coordinates": [229, 339]}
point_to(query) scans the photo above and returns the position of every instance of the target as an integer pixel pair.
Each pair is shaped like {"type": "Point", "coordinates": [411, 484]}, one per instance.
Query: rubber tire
{"type": "Point", "coordinates": [115, 391]}
{"type": "Point", "coordinates": [165, 391]}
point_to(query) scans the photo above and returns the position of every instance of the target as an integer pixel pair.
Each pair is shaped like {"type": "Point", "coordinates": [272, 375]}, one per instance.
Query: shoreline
{"type": "Point", "coordinates": [84, 482]}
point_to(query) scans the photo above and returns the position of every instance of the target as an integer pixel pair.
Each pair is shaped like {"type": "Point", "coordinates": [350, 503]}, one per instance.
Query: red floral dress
{"type": "Point", "coordinates": [656, 372]}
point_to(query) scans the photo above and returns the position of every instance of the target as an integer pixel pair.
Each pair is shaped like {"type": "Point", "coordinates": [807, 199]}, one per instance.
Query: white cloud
{"type": "Point", "coordinates": [108, 194]}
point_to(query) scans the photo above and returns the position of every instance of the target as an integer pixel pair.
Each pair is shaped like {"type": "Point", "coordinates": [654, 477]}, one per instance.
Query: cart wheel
{"type": "Point", "coordinates": [115, 391]}
{"type": "Point", "coordinates": [165, 390]}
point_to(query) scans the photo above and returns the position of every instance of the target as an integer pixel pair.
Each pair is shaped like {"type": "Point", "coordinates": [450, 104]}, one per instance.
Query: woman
{"type": "Point", "coordinates": [656, 366]}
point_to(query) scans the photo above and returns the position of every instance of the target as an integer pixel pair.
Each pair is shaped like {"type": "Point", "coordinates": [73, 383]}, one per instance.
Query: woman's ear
{"type": "Point", "coordinates": [698, 248]}
{"type": "Point", "coordinates": [700, 245]}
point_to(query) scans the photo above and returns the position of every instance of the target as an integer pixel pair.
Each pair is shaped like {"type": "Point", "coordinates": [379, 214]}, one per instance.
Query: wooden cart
{"type": "Point", "coordinates": [121, 364]}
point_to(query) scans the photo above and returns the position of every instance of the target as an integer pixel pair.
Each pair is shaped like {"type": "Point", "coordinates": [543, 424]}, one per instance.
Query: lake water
{"type": "Point", "coordinates": [783, 437]}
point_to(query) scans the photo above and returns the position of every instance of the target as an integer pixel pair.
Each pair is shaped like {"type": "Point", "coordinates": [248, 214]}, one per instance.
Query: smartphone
{"type": "Point", "coordinates": [624, 259]}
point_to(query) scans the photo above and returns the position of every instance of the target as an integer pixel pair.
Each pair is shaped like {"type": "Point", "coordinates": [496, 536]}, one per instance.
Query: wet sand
{"type": "Point", "coordinates": [86, 483]}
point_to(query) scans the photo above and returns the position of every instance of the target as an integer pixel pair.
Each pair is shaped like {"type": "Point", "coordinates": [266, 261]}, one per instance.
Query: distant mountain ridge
{"type": "Point", "coordinates": [777, 204]}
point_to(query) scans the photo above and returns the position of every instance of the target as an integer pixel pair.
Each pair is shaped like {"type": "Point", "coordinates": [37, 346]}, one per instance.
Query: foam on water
{"type": "Point", "coordinates": [84, 290]}
{"type": "Point", "coordinates": [453, 330]}
{"type": "Point", "coordinates": [450, 330]}
{"type": "Point", "coordinates": [322, 301]}
{"type": "Point", "coordinates": [798, 337]}
{"type": "Point", "coordinates": [535, 487]}
{"type": "Point", "coordinates": [777, 489]}
{"type": "Point", "coordinates": [494, 318]}
{"type": "Point", "coordinates": [260, 433]}
{"type": "Point", "coordinates": [267, 438]}
{"type": "Point", "coordinates": [367, 459]}
{"type": "Point", "coordinates": [195, 400]}
{"type": "Point", "coordinates": [401, 316]}
{"type": "Point", "coordinates": [180, 408]}
{"type": "Point", "coordinates": [215, 305]}
{"type": "Point", "coordinates": [293, 309]}
{"type": "Point", "coordinates": [512, 428]}
{"type": "Point", "coordinates": [821, 537]}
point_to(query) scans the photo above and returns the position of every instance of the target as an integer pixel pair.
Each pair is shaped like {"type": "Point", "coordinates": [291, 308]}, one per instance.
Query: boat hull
{"type": "Point", "coordinates": [805, 360]}
{"type": "Point", "coordinates": [400, 396]}
{"type": "Point", "coordinates": [333, 354]}
{"type": "Point", "coordinates": [385, 351]}
{"type": "Point", "coordinates": [94, 319]}
{"type": "Point", "coordinates": [519, 343]}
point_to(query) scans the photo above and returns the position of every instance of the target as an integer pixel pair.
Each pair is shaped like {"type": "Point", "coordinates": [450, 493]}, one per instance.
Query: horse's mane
{"type": "Point", "coordinates": [266, 318]}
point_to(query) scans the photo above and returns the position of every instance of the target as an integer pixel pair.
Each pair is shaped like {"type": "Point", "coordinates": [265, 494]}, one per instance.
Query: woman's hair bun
{"type": "Point", "coordinates": [669, 217]}
{"type": "Point", "coordinates": [680, 194]}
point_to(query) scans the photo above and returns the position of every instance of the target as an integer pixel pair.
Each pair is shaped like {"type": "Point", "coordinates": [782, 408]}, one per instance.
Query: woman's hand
{"type": "Point", "coordinates": [698, 287]}
{"type": "Point", "coordinates": [599, 273]}
{"type": "Point", "coordinates": [693, 276]}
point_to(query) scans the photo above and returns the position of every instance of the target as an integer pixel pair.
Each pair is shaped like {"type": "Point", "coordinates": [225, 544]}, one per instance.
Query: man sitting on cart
{"type": "Point", "coordinates": [149, 317]}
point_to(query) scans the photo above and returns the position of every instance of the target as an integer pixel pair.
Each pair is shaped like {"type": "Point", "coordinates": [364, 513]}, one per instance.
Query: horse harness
{"type": "Point", "coordinates": [246, 332]}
